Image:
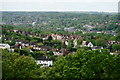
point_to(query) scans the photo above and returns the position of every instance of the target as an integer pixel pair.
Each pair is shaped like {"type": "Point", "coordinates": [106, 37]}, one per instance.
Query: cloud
{"type": "Point", "coordinates": [60, 6]}
{"type": "Point", "coordinates": [59, 0]}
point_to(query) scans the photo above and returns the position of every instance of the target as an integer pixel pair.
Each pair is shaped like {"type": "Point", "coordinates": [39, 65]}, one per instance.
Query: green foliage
{"type": "Point", "coordinates": [53, 43]}
{"type": "Point", "coordinates": [11, 43]}
{"type": "Point", "coordinates": [50, 21]}
{"type": "Point", "coordinates": [86, 65]}
{"type": "Point", "coordinates": [50, 53]}
{"type": "Point", "coordinates": [23, 67]}
{"type": "Point", "coordinates": [105, 51]}
{"type": "Point", "coordinates": [40, 44]}
{"type": "Point", "coordinates": [64, 45]}
{"type": "Point", "coordinates": [100, 42]}
{"type": "Point", "coordinates": [116, 47]}
{"type": "Point", "coordinates": [25, 51]}
{"type": "Point", "coordinates": [37, 54]}
{"type": "Point", "coordinates": [118, 29]}
{"type": "Point", "coordinates": [79, 42]}
{"type": "Point", "coordinates": [49, 38]}
{"type": "Point", "coordinates": [17, 66]}
{"type": "Point", "coordinates": [85, 48]}
{"type": "Point", "coordinates": [118, 37]}
{"type": "Point", "coordinates": [70, 45]}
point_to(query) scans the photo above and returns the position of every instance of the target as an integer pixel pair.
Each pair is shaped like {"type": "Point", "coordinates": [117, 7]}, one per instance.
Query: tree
{"type": "Point", "coordinates": [100, 42]}
{"type": "Point", "coordinates": [7, 64]}
{"type": "Point", "coordinates": [70, 45]}
{"type": "Point", "coordinates": [64, 45]}
{"type": "Point", "coordinates": [23, 67]}
{"type": "Point", "coordinates": [12, 43]}
{"type": "Point", "coordinates": [79, 42]}
{"type": "Point", "coordinates": [50, 53]}
{"type": "Point", "coordinates": [118, 37]}
{"type": "Point", "coordinates": [25, 51]}
{"type": "Point", "coordinates": [105, 51]}
{"type": "Point", "coordinates": [56, 44]}
{"type": "Point", "coordinates": [37, 54]}
{"type": "Point", "coordinates": [49, 38]}
{"type": "Point", "coordinates": [86, 65]}
{"type": "Point", "coordinates": [116, 47]}
{"type": "Point", "coordinates": [17, 66]}
{"type": "Point", "coordinates": [40, 44]}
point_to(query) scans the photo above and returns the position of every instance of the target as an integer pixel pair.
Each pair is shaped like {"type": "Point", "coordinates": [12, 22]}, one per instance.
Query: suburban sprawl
{"type": "Point", "coordinates": [60, 45]}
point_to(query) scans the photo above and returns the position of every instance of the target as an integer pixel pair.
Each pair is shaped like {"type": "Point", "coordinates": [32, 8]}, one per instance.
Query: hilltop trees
{"type": "Point", "coordinates": [17, 66]}
{"type": "Point", "coordinates": [100, 42]}
{"type": "Point", "coordinates": [118, 37]}
{"type": "Point", "coordinates": [83, 65]}
{"type": "Point", "coordinates": [116, 47]}
{"type": "Point", "coordinates": [86, 65]}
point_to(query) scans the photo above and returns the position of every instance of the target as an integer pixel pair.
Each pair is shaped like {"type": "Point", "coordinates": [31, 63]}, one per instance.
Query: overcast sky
{"type": "Point", "coordinates": [59, 5]}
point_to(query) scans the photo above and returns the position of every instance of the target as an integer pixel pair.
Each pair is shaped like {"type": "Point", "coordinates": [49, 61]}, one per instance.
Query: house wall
{"type": "Point", "coordinates": [90, 44]}
{"type": "Point", "coordinates": [5, 46]}
{"type": "Point", "coordinates": [45, 62]}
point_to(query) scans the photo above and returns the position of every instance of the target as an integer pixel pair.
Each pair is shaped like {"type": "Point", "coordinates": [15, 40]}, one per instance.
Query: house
{"type": "Point", "coordinates": [96, 47]}
{"type": "Point", "coordinates": [109, 43]}
{"type": "Point", "coordinates": [33, 23]}
{"type": "Point", "coordinates": [41, 48]}
{"type": "Point", "coordinates": [16, 46]}
{"type": "Point", "coordinates": [64, 51]}
{"type": "Point", "coordinates": [56, 36]}
{"type": "Point", "coordinates": [86, 44]}
{"type": "Point", "coordinates": [44, 61]}
{"type": "Point", "coordinates": [4, 46]}
{"type": "Point", "coordinates": [57, 52]}
{"type": "Point", "coordinates": [15, 30]}
{"type": "Point", "coordinates": [75, 42]}
{"type": "Point", "coordinates": [70, 29]}
{"type": "Point", "coordinates": [0, 37]}
{"type": "Point", "coordinates": [45, 37]}
{"type": "Point", "coordinates": [115, 53]}
{"type": "Point", "coordinates": [45, 48]}
{"type": "Point", "coordinates": [66, 43]}
{"type": "Point", "coordinates": [88, 26]}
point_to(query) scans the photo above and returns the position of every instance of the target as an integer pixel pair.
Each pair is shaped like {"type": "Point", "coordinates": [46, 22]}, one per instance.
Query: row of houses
{"type": "Point", "coordinates": [43, 61]}
{"type": "Point", "coordinates": [42, 48]}
{"type": "Point", "coordinates": [26, 33]}
{"type": "Point", "coordinates": [64, 38]}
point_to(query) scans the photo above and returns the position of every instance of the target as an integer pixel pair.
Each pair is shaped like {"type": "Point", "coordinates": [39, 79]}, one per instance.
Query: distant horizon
{"type": "Point", "coordinates": [60, 5]}
{"type": "Point", "coordinates": [56, 11]}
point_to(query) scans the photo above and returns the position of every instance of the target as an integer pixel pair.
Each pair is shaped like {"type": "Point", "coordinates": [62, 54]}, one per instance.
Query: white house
{"type": "Point", "coordinates": [66, 42]}
{"type": "Point", "coordinates": [0, 36]}
{"type": "Point", "coordinates": [44, 61]}
{"type": "Point", "coordinates": [56, 36]}
{"type": "Point", "coordinates": [33, 23]}
{"type": "Point", "coordinates": [114, 53]}
{"type": "Point", "coordinates": [96, 47]}
{"type": "Point", "coordinates": [75, 42]}
{"type": "Point", "coordinates": [57, 52]}
{"type": "Point", "coordinates": [70, 29]}
{"type": "Point", "coordinates": [4, 46]}
{"type": "Point", "coordinates": [87, 44]}
{"type": "Point", "coordinates": [15, 30]}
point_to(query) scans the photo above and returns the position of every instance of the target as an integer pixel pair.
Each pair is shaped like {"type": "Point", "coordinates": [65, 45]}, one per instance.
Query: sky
{"type": "Point", "coordinates": [59, 5]}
